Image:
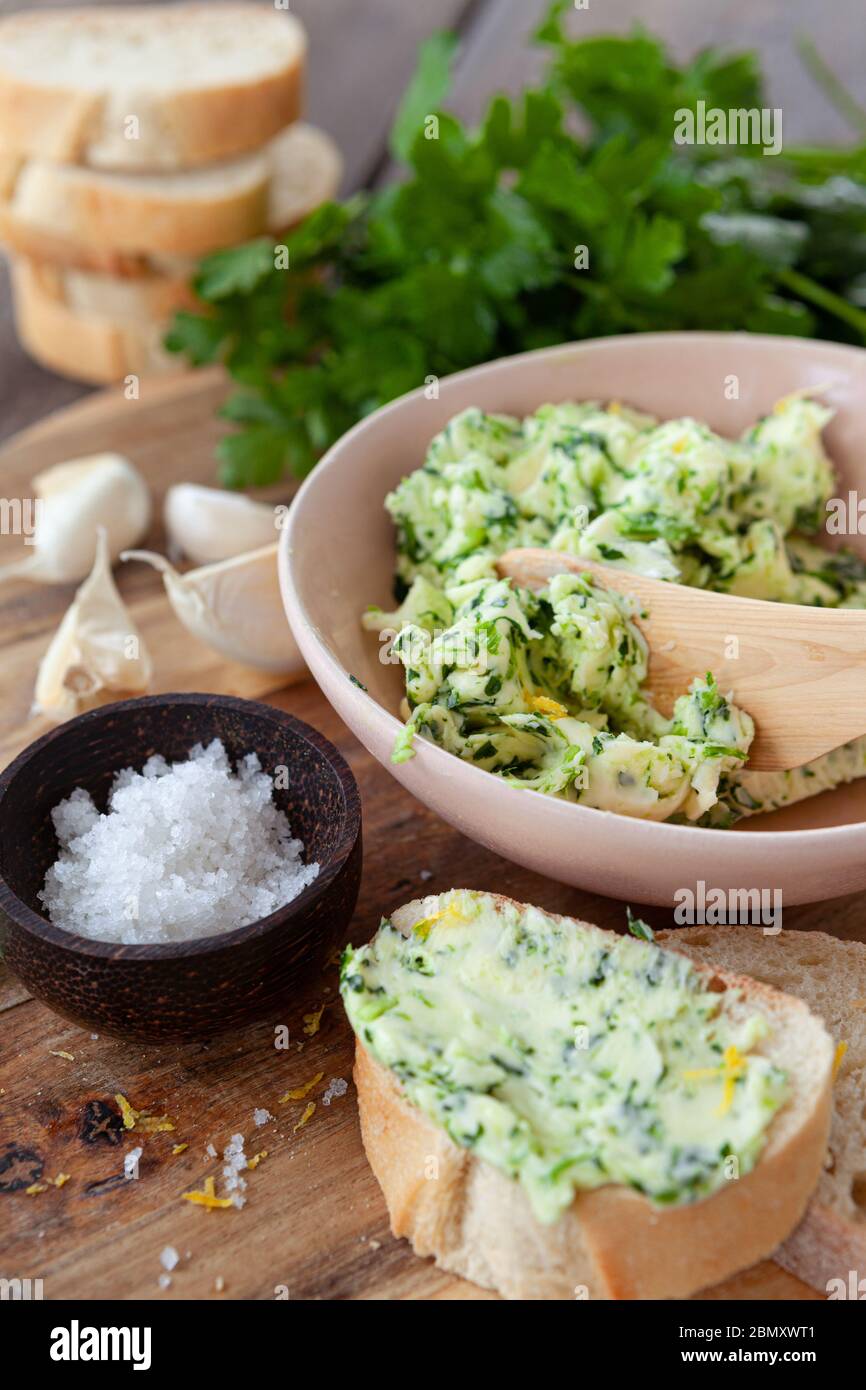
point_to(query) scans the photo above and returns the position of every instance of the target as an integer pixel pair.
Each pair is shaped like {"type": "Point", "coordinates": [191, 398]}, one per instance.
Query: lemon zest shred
{"type": "Point", "coordinates": [257, 1158]}
{"type": "Point", "coordinates": [59, 1181]}
{"type": "Point", "coordinates": [423, 927]}
{"type": "Point", "coordinates": [732, 1068]}
{"type": "Point", "coordinates": [67, 1056]}
{"type": "Point", "coordinates": [179, 1148]}
{"type": "Point", "coordinates": [307, 1115]}
{"type": "Point", "coordinates": [208, 1200]}
{"type": "Point", "coordinates": [155, 1124]}
{"type": "Point", "coordinates": [132, 1118]}
{"type": "Point", "coordinates": [34, 1188]}
{"type": "Point", "coordinates": [312, 1022]}
{"type": "Point", "coordinates": [129, 1115]}
{"type": "Point", "coordinates": [544, 705]}
{"type": "Point", "coordinates": [301, 1092]}
{"type": "Point", "coordinates": [841, 1049]}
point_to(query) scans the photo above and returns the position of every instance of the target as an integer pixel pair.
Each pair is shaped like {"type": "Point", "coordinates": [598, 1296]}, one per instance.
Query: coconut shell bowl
{"type": "Point", "coordinates": [188, 989]}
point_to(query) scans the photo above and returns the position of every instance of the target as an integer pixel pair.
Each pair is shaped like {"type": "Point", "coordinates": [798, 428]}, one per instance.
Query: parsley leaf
{"type": "Point", "coordinates": [570, 212]}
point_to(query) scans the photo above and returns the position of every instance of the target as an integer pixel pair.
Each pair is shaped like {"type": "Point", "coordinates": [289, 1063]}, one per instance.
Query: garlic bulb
{"type": "Point", "coordinates": [96, 648]}
{"type": "Point", "coordinates": [207, 524]}
{"type": "Point", "coordinates": [235, 607]}
{"type": "Point", "coordinates": [74, 499]}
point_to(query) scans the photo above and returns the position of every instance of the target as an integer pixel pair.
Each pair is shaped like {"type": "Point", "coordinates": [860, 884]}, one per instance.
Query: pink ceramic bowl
{"type": "Point", "coordinates": [337, 555]}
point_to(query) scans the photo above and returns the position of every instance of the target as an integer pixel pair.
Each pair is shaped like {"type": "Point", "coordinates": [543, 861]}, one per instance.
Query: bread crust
{"type": "Point", "coordinates": [148, 299]}
{"type": "Point", "coordinates": [112, 227]}
{"type": "Point", "coordinates": [612, 1242]}
{"type": "Point", "coordinates": [180, 129]}
{"type": "Point", "coordinates": [83, 347]}
{"type": "Point", "coordinates": [132, 215]}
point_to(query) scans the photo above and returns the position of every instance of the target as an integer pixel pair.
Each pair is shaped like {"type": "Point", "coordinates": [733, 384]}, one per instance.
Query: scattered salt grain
{"type": "Point", "coordinates": [425, 875]}
{"type": "Point", "coordinates": [261, 1117]}
{"type": "Point", "coordinates": [210, 1150]}
{"type": "Point", "coordinates": [164, 1281]}
{"type": "Point", "coordinates": [235, 1161]}
{"type": "Point", "coordinates": [336, 1087]}
{"type": "Point", "coordinates": [219, 1283]}
{"type": "Point", "coordinates": [130, 1163]}
{"type": "Point", "coordinates": [169, 1258]}
{"type": "Point", "coordinates": [188, 849]}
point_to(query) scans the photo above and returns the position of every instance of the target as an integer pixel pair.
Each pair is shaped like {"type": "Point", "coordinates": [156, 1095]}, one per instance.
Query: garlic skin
{"type": "Point", "coordinates": [207, 524]}
{"type": "Point", "coordinates": [73, 500]}
{"type": "Point", "coordinates": [235, 607]}
{"type": "Point", "coordinates": [96, 649]}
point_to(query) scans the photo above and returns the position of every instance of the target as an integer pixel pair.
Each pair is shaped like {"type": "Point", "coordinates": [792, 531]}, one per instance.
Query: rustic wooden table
{"type": "Point", "coordinates": [315, 1225]}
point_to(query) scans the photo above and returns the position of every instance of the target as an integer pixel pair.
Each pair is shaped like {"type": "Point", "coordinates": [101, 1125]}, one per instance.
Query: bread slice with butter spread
{"type": "Point", "coordinates": [556, 1111]}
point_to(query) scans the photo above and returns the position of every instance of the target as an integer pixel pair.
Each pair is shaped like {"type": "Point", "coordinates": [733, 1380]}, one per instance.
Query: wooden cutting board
{"type": "Point", "coordinates": [314, 1225]}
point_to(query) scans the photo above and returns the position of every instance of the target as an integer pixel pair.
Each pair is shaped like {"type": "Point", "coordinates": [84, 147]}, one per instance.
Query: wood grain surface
{"type": "Point", "coordinates": [315, 1223]}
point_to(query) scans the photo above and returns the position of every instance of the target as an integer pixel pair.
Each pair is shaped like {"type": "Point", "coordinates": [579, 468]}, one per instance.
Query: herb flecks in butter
{"type": "Point", "coordinates": [545, 690]}
{"type": "Point", "coordinates": [562, 1058]}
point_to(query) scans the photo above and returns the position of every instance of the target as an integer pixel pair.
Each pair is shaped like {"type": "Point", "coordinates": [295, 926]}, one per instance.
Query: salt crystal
{"type": "Point", "coordinates": [164, 1281]}
{"type": "Point", "coordinates": [169, 1258]}
{"type": "Point", "coordinates": [130, 1163]}
{"type": "Point", "coordinates": [235, 1160]}
{"type": "Point", "coordinates": [425, 874]}
{"type": "Point", "coordinates": [261, 1117]}
{"type": "Point", "coordinates": [184, 850]}
{"type": "Point", "coordinates": [210, 1150]}
{"type": "Point", "coordinates": [336, 1087]}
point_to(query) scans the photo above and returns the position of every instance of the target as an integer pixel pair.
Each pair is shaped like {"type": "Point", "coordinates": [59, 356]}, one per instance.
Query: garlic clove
{"type": "Point", "coordinates": [96, 648]}
{"type": "Point", "coordinates": [72, 501]}
{"type": "Point", "coordinates": [234, 606]}
{"type": "Point", "coordinates": [207, 524]}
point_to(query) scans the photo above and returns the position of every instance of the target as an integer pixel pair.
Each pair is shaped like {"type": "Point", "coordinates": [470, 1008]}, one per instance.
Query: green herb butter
{"type": "Point", "coordinates": [546, 689]}
{"type": "Point", "coordinates": [562, 1058]}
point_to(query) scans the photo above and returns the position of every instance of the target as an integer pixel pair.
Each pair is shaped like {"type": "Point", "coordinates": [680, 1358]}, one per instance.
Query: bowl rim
{"type": "Point", "coordinates": [44, 930]}
{"type": "Point", "coordinates": [424, 749]}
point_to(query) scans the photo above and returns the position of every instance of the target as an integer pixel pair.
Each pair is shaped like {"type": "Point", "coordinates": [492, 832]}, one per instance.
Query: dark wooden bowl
{"type": "Point", "coordinates": [189, 989]}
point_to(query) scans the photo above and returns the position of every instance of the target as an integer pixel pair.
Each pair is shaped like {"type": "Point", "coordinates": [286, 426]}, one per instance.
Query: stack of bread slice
{"type": "Point", "coordinates": [134, 141]}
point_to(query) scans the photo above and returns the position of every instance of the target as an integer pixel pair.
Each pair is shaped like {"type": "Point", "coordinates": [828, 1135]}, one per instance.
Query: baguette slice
{"type": "Point", "coordinates": [145, 299]}
{"type": "Point", "coordinates": [830, 976]}
{"type": "Point", "coordinates": [205, 82]}
{"type": "Point", "coordinates": [611, 1241]}
{"type": "Point", "coordinates": [83, 346]}
{"type": "Point", "coordinates": [137, 224]}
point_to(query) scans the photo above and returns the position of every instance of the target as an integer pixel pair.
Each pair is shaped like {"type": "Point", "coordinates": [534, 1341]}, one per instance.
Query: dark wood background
{"type": "Point", "coordinates": [362, 52]}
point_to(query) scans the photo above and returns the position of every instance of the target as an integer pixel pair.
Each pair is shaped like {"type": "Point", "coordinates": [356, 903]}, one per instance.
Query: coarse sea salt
{"type": "Point", "coordinates": [337, 1086]}
{"type": "Point", "coordinates": [185, 850]}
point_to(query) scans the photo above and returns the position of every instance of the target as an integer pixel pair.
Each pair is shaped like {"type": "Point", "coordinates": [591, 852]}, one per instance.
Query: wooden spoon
{"type": "Point", "coordinates": [799, 671]}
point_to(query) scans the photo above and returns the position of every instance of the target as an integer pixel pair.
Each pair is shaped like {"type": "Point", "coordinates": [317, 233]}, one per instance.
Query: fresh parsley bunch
{"type": "Point", "coordinates": [477, 252]}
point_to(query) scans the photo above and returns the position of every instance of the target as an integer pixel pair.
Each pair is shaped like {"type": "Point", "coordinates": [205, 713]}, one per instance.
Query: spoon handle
{"type": "Point", "coordinates": [799, 671]}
